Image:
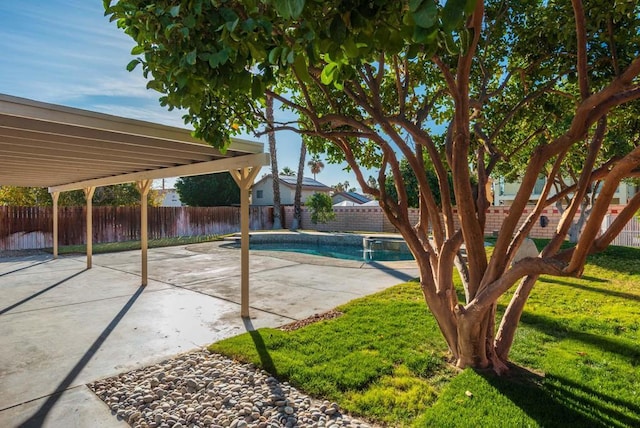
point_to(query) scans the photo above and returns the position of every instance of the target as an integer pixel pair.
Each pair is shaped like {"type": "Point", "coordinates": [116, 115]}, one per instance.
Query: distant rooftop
{"type": "Point", "coordinates": [355, 197]}
{"type": "Point", "coordinates": [358, 197]}
{"type": "Point", "coordinates": [306, 181]}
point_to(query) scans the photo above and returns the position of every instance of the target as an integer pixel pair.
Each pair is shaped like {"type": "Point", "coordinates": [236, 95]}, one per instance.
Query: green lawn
{"type": "Point", "coordinates": [577, 348]}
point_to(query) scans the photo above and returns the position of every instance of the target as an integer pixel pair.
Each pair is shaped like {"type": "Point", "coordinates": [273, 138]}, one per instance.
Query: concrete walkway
{"type": "Point", "coordinates": [62, 326]}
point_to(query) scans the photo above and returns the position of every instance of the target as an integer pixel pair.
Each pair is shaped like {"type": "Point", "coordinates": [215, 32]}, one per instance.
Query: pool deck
{"type": "Point", "coordinates": [62, 326]}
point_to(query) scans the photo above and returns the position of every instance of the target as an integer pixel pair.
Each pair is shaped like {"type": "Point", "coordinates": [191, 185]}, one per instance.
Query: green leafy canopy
{"type": "Point", "coordinates": [217, 58]}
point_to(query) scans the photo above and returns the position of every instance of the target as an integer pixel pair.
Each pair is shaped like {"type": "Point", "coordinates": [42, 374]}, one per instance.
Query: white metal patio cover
{"type": "Point", "coordinates": [62, 148]}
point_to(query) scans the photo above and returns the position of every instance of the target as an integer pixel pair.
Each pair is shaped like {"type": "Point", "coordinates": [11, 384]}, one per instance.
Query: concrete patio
{"type": "Point", "coordinates": [63, 326]}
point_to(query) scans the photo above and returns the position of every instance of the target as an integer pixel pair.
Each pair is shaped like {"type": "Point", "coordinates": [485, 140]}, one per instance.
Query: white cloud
{"type": "Point", "coordinates": [150, 113]}
{"type": "Point", "coordinates": [67, 52]}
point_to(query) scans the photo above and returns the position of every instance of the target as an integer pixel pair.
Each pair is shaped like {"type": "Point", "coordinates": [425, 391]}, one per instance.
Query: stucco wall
{"type": "Point", "coordinates": [287, 194]}
{"type": "Point", "coordinates": [372, 219]}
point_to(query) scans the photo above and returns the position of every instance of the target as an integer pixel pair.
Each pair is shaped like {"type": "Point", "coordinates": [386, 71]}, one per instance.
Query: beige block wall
{"type": "Point", "coordinates": [348, 219]}
{"type": "Point", "coordinates": [372, 219]}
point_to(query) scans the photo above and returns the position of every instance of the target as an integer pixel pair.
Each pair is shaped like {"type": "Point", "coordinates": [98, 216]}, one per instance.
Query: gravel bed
{"type": "Point", "coordinates": [202, 389]}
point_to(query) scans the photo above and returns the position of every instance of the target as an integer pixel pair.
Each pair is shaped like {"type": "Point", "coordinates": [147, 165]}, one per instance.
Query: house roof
{"type": "Point", "coordinates": [353, 196]}
{"type": "Point", "coordinates": [63, 148]}
{"type": "Point", "coordinates": [306, 182]}
{"type": "Point", "coordinates": [290, 181]}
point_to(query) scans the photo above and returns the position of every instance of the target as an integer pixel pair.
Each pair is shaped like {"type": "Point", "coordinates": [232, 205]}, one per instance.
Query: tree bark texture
{"type": "Point", "coordinates": [277, 220]}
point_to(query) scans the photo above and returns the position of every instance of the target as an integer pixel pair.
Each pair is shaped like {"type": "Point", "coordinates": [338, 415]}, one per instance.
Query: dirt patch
{"type": "Point", "coordinates": [310, 320]}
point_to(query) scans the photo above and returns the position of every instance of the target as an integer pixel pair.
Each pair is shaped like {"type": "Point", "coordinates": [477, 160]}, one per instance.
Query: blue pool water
{"type": "Point", "coordinates": [345, 252]}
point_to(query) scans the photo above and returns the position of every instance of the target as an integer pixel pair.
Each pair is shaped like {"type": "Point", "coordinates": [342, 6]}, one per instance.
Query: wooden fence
{"type": "Point", "coordinates": [31, 227]}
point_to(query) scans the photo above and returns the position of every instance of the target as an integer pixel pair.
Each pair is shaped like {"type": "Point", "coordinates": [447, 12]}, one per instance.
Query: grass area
{"type": "Point", "coordinates": [112, 247]}
{"type": "Point", "coordinates": [577, 351]}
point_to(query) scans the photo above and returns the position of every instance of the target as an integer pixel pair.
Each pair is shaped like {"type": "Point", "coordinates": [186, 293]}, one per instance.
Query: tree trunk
{"type": "Point", "coordinates": [511, 318]}
{"type": "Point", "coordinates": [277, 220]}
{"type": "Point", "coordinates": [468, 335]}
{"type": "Point", "coordinates": [297, 201]}
{"type": "Point", "coordinates": [473, 336]}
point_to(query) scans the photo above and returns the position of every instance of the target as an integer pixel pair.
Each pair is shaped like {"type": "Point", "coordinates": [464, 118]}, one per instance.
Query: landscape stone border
{"type": "Point", "coordinates": [203, 389]}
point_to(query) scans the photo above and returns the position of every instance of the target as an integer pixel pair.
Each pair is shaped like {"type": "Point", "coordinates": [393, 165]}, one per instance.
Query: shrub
{"type": "Point", "coordinates": [321, 207]}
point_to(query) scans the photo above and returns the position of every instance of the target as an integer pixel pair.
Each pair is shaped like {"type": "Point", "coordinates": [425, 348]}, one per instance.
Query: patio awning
{"type": "Point", "coordinates": [63, 148]}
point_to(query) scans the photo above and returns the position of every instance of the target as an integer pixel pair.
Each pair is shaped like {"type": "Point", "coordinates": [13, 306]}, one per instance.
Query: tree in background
{"type": "Point", "coordinates": [126, 194]}
{"type": "Point", "coordinates": [119, 195]}
{"type": "Point", "coordinates": [277, 221]}
{"type": "Point", "coordinates": [315, 165]}
{"type": "Point", "coordinates": [209, 190]}
{"type": "Point", "coordinates": [321, 207]}
{"type": "Point", "coordinates": [25, 196]}
{"type": "Point", "coordinates": [411, 185]}
{"type": "Point", "coordinates": [479, 88]}
{"type": "Point", "coordinates": [343, 187]}
{"type": "Point", "coordinates": [287, 172]}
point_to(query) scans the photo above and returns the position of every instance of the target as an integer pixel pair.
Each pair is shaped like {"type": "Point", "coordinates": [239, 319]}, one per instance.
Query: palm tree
{"type": "Point", "coordinates": [297, 199]}
{"type": "Point", "coordinates": [287, 171]}
{"type": "Point", "coordinates": [316, 165]}
{"type": "Point", "coordinates": [277, 220]}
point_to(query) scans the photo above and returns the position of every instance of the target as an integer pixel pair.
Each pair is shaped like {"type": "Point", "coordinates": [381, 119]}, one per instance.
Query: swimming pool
{"type": "Point", "coordinates": [345, 252]}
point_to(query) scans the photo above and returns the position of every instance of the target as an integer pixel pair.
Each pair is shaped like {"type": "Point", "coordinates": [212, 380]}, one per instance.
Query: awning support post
{"type": "Point", "coordinates": [143, 187]}
{"type": "Point", "coordinates": [244, 179]}
{"type": "Point", "coordinates": [88, 194]}
{"type": "Point", "coordinates": [55, 196]}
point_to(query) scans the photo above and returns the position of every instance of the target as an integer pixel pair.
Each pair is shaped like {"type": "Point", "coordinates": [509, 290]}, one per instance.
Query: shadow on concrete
{"type": "Point", "coordinates": [23, 268]}
{"type": "Point", "coordinates": [33, 296]}
{"type": "Point", "coordinates": [38, 418]}
{"type": "Point", "coordinates": [261, 347]}
{"type": "Point", "coordinates": [404, 277]}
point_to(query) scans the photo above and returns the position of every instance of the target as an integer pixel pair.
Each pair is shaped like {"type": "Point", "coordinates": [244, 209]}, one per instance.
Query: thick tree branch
{"type": "Point", "coordinates": [612, 46]}
{"type": "Point", "coordinates": [582, 121]}
{"type": "Point", "coordinates": [474, 24]}
{"type": "Point", "coordinates": [591, 229]}
{"type": "Point", "coordinates": [423, 138]}
{"type": "Point", "coordinates": [626, 96]}
{"type": "Point", "coordinates": [448, 77]}
{"type": "Point", "coordinates": [583, 182]}
{"type": "Point", "coordinates": [400, 86]}
{"type": "Point", "coordinates": [425, 109]}
{"type": "Point", "coordinates": [621, 220]}
{"type": "Point", "coordinates": [581, 41]}
{"type": "Point", "coordinates": [527, 266]}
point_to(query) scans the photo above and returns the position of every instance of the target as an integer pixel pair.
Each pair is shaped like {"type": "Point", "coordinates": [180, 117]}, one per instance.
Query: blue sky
{"type": "Point", "coordinates": [67, 52]}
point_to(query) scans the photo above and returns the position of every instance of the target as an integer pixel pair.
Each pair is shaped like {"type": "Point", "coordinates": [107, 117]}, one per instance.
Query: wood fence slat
{"type": "Point", "coordinates": [24, 228]}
